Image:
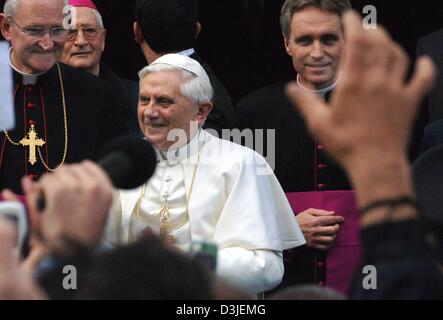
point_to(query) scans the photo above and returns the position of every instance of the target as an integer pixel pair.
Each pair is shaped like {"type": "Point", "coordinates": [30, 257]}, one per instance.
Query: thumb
{"type": "Point", "coordinates": [422, 80]}
{"type": "Point", "coordinates": [8, 195]}
{"type": "Point", "coordinates": [312, 108]}
{"type": "Point", "coordinates": [28, 185]}
{"type": "Point", "coordinates": [319, 212]}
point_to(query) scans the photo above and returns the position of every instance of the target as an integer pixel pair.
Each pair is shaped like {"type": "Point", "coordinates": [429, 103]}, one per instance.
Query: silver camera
{"type": "Point", "coordinates": [15, 212]}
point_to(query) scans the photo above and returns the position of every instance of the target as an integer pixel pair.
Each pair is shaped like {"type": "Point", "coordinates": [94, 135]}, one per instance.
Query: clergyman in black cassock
{"type": "Point", "coordinates": [93, 117]}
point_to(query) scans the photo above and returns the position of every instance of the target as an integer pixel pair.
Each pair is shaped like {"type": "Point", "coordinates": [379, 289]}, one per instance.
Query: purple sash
{"type": "Point", "coordinates": [345, 255]}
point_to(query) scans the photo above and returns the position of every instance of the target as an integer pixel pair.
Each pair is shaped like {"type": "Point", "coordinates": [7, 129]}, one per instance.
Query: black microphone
{"type": "Point", "coordinates": [129, 162]}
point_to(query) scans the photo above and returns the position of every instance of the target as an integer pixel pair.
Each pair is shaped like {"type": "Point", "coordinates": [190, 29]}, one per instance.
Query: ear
{"type": "Point", "coordinates": [5, 26]}
{"type": "Point", "coordinates": [203, 112]}
{"type": "Point", "coordinates": [198, 29]}
{"type": "Point", "coordinates": [287, 47]}
{"type": "Point", "coordinates": [138, 33]}
{"type": "Point", "coordinates": [104, 40]}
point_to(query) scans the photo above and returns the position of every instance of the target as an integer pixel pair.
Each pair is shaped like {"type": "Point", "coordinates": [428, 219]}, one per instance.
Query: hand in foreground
{"type": "Point", "coordinates": [78, 198]}
{"type": "Point", "coordinates": [15, 282]}
{"type": "Point", "coordinates": [319, 227]}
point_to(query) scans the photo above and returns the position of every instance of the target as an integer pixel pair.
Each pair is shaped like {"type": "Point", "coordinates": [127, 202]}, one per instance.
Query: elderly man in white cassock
{"type": "Point", "coordinates": [204, 188]}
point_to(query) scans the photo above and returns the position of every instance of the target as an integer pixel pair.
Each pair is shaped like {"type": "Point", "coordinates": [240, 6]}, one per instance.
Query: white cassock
{"type": "Point", "coordinates": [234, 201]}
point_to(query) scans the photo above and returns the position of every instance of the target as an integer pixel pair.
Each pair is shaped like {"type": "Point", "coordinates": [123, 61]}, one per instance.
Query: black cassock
{"type": "Point", "coordinates": [301, 164]}
{"type": "Point", "coordinates": [128, 90]}
{"type": "Point", "coordinates": [93, 112]}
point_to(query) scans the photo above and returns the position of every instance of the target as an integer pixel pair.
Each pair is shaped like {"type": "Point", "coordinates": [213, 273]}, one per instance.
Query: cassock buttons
{"type": "Point", "coordinates": [30, 89]}
{"type": "Point", "coordinates": [321, 283]}
{"type": "Point", "coordinates": [31, 105]}
{"type": "Point", "coordinates": [320, 264]}
{"type": "Point", "coordinates": [32, 122]}
{"type": "Point", "coordinates": [320, 147]}
{"type": "Point", "coordinates": [322, 166]}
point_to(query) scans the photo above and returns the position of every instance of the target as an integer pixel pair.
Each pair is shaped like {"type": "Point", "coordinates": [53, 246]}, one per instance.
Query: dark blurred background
{"type": "Point", "coordinates": [242, 42]}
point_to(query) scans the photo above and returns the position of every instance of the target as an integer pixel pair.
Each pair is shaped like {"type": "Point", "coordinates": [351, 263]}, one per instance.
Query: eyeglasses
{"type": "Point", "coordinates": [55, 33]}
{"type": "Point", "coordinates": [90, 33]}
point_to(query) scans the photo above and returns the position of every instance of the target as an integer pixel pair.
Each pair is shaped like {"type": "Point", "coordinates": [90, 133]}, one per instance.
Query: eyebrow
{"type": "Point", "coordinates": [163, 97]}
{"type": "Point", "coordinates": [43, 27]}
{"type": "Point", "coordinates": [157, 98]}
{"type": "Point", "coordinates": [303, 38]}
{"type": "Point", "coordinates": [329, 35]}
{"type": "Point", "coordinates": [89, 25]}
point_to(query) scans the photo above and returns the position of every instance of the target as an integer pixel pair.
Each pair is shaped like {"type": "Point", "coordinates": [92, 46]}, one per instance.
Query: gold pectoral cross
{"type": "Point", "coordinates": [164, 232]}
{"type": "Point", "coordinates": [32, 142]}
{"type": "Point", "coordinates": [164, 227]}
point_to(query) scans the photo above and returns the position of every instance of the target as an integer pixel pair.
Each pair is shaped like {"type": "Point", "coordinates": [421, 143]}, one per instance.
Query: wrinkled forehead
{"type": "Point", "coordinates": [316, 21]}
{"type": "Point", "coordinates": [41, 12]}
{"type": "Point", "coordinates": [167, 81]}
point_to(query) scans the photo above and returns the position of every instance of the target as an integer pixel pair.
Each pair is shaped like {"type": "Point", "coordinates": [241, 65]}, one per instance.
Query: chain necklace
{"type": "Point", "coordinates": [65, 125]}
{"type": "Point", "coordinates": [163, 214]}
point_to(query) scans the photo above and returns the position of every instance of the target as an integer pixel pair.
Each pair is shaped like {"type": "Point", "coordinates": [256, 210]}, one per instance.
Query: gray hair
{"type": "Point", "coordinates": [290, 7]}
{"type": "Point", "coordinates": [97, 14]}
{"type": "Point", "coordinates": [99, 18]}
{"type": "Point", "coordinates": [197, 88]}
{"type": "Point", "coordinates": [10, 8]}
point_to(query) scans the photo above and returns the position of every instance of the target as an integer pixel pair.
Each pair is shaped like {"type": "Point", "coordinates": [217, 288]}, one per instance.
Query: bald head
{"type": "Point", "coordinates": [10, 8]}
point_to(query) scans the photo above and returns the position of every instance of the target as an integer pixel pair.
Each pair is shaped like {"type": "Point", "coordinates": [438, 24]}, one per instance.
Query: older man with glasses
{"type": "Point", "coordinates": [83, 50]}
{"type": "Point", "coordinates": [62, 115]}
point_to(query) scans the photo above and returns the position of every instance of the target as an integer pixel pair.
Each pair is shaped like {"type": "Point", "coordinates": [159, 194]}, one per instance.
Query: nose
{"type": "Point", "coordinates": [317, 50]}
{"type": "Point", "coordinates": [151, 111]}
{"type": "Point", "coordinates": [80, 39]}
{"type": "Point", "coordinates": [46, 43]}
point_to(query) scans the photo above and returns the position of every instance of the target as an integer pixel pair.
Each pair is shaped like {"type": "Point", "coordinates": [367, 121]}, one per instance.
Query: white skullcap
{"type": "Point", "coordinates": [182, 62]}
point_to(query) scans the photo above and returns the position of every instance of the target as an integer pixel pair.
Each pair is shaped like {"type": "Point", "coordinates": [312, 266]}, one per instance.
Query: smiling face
{"type": "Point", "coordinates": [162, 107]}
{"type": "Point", "coordinates": [34, 54]}
{"type": "Point", "coordinates": [316, 46]}
{"type": "Point", "coordinates": [81, 52]}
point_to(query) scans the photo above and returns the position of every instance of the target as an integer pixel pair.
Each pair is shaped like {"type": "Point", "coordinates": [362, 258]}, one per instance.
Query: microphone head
{"type": "Point", "coordinates": [129, 161]}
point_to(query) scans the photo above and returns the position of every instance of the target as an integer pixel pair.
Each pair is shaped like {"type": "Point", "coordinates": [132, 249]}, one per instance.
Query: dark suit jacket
{"type": "Point", "coordinates": [296, 152]}
{"type": "Point", "coordinates": [433, 135]}
{"type": "Point", "coordinates": [94, 116]}
{"type": "Point", "coordinates": [128, 91]}
{"type": "Point", "coordinates": [223, 115]}
{"type": "Point", "coordinates": [432, 45]}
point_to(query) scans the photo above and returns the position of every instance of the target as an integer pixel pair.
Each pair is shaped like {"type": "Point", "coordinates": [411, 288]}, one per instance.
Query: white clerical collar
{"type": "Point", "coordinates": [187, 52]}
{"type": "Point", "coordinates": [27, 78]}
{"type": "Point", "coordinates": [185, 152]}
{"type": "Point", "coordinates": [321, 92]}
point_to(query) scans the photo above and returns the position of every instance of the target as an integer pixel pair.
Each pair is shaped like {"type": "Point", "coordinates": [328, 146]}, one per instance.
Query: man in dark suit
{"type": "Point", "coordinates": [313, 37]}
{"type": "Point", "coordinates": [432, 45]}
{"type": "Point", "coordinates": [171, 26]}
{"type": "Point", "coordinates": [433, 135]}
{"type": "Point", "coordinates": [84, 48]}
{"type": "Point", "coordinates": [62, 114]}
{"type": "Point", "coordinates": [425, 131]}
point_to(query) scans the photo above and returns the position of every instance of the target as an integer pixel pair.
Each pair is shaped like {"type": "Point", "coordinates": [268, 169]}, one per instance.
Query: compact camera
{"type": "Point", "coordinates": [15, 212]}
